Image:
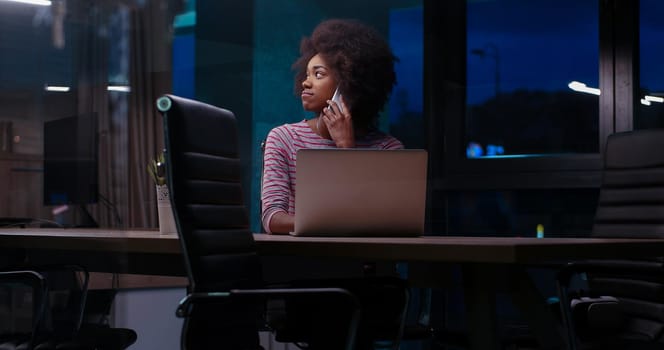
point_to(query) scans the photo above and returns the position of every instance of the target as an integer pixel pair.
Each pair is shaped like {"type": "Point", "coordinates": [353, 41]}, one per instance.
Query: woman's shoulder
{"type": "Point", "coordinates": [290, 129]}
{"type": "Point", "coordinates": [294, 136]}
{"type": "Point", "coordinates": [290, 126]}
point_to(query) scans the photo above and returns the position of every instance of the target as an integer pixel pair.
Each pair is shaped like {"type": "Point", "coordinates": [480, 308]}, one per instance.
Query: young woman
{"type": "Point", "coordinates": [353, 60]}
{"type": "Point", "coordinates": [342, 56]}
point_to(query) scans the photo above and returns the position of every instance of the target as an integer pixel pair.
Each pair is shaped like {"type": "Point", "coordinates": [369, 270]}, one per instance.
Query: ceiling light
{"type": "Point", "coordinates": [120, 88]}
{"type": "Point", "coordinates": [56, 88]}
{"type": "Point", "coordinates": [33, 2]}
{"type": "Point", "coordinates": [581, 87]}
{"type": "Point", "coordinates": [654, 99]}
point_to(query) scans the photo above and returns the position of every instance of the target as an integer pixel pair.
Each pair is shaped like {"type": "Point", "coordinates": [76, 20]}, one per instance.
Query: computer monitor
{"type": "Point", "coordinates": [70, 160]}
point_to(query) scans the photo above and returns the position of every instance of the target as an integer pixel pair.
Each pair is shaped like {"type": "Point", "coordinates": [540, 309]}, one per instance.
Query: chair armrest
{"type": "Point", "coordinates": [185, 304]}
{"type": "Point", "coordinates": [613, 266]}
{"type": "Point", "coordinates": [22, 276]}
{"type": "Point", "coordinates": [564, 277]}
{"type": "Point", "coordinates": [184, 307]}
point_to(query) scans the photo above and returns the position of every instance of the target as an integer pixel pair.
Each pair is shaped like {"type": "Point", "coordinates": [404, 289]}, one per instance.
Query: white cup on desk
{"type": "Point", "coordinates": [165, 212]}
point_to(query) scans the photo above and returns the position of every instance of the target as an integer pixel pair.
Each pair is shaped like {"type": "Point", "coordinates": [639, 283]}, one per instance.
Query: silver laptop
{"type": "Point", "coordinates": [360, 192]}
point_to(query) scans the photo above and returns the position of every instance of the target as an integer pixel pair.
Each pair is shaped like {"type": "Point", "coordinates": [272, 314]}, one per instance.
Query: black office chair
{"type": "Point", "coordinates": [55, 312]}
{"type": "Point", "coordinates": [22, 318]}
{"type": "Point", "coordinates": [622, 304]}
{"type": "Point", "coordinates": [226, 296]}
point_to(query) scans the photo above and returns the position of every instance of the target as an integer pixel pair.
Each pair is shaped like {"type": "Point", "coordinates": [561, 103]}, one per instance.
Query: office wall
{"type": "Point", "coordinates": [151, 313]}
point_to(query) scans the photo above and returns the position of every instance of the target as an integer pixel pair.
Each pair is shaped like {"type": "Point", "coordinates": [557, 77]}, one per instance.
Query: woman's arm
{"type": "Point", "coordinates": [276, 187]}
{"type": "Point", "coordinates": [282, 222]}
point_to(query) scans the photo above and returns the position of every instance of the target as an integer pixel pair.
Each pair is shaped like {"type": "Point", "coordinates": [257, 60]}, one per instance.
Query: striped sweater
{"type": "Point", "coordinates": [281, 146]}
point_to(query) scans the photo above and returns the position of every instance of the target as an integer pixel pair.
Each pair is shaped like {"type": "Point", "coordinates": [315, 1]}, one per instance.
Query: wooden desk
{"type": "Point", "coordinates": [100, 250]}
{"type": "Point", "coordinates": [492, 250]}
{"type": "Point", "coordinates": [148, 252]}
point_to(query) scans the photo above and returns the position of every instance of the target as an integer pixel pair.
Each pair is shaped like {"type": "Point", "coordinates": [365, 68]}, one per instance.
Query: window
{"type": "Point", "coordinates": [517, 85]}
{"type": "Point", "coordinates": [650, 104]}
{"type": "Point", "coordinates": [532, 78]}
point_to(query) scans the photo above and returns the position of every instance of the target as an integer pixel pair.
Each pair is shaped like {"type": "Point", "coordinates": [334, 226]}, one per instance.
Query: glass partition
{"type": "Point", "coordinates": [112, 59]}
{"type": "Point", "coordinates": [529, 85]}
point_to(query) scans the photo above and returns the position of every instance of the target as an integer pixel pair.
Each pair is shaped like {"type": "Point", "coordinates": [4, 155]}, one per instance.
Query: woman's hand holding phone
{"type": "Point", "coordinates": [339, 122]}
{"type": "Point", "coordinates": [336, 98]}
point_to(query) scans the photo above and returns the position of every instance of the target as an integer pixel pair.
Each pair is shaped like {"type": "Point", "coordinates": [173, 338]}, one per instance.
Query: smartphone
{"type": "Point", "coordinates": [337, 98]}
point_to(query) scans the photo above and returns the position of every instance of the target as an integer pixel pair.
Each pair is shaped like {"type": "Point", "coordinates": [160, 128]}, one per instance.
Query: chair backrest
{"type": "Point", "coordinates": [22, 305]}
{"type": "Point", "coordinates": [631, 204]}
{"type": "Point", "coordinates": [631, 197]}
{"type": "Point", "coordinates": [56, 310]}
{"type": "Point", "coordinates": [204, 179]}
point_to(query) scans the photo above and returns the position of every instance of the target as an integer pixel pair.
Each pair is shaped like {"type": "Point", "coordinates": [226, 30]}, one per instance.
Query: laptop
{"type": "Point", "coordinates": [360, 192]}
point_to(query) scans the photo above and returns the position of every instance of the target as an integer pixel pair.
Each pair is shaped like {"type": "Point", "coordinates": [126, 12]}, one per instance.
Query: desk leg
{"type": "Point", "coordinates": [480, 303]}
